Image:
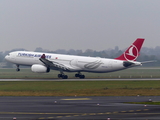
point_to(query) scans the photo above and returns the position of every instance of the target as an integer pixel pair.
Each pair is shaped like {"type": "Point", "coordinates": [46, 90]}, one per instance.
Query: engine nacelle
{"type": "Point", "coordinates": [40, 68]}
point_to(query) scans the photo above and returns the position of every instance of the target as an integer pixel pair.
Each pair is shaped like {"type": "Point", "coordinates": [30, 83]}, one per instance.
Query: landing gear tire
{"type": "Point", "coordinates": [82, 76]}
{"type": "Point", "coordinates": [17, 69]}
{"type": "Point", "coordinates": [62, 76]}
{"type": "Point", "coordinates": [59, 75]}
{"type": "Point", "coordinates": [77, 75]}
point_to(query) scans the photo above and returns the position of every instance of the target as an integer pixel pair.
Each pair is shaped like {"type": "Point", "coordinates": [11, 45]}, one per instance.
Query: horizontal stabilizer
{"type": "Point", "coordinates": [149, 61]}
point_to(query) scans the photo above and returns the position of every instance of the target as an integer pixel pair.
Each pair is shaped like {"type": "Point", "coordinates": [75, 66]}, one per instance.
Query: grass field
{"type": "Point", "coordinates": [128, 73]}
{"type": "Point", "coordinates": [80, 88]}
{"type": "Point", "coordinates": [146, 103]}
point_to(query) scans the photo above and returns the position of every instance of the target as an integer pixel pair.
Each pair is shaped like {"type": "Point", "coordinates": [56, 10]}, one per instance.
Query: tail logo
{"type": "Point", "coordinates": [132, 53]}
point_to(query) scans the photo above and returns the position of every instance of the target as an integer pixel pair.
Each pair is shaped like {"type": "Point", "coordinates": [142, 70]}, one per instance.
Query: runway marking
{"type": "Point", "coordinates": [59, 116]}
{"type": "Point", "coordinates": [120, 112]}
{"type": "Point", "coordinates": [50, 117]}
{"type": "Point", "coordinates": [131, 110]}
{"type": "Point", "coordinates": [115, 112]}
{"type": "Point", "coordinates": [38, 113]}
{"type": "Point", "coordinates": [67, 115]}
{"type": "Point", "coordinates": [41, 118]}
{"type": "Point", "coordinates": [107, 113]}
{"type": "Point", "coordinates": [123, 111]}
{"type": "Point", "coordinates": [138, 110]}
{"type": "Point", "coordinates": [146, 109]}
{"type": "Point", "coordinates": [92, 113]}
{"type": "Point", "coordinates": [84, 114]}
{"type": "Point", "coordinates": [100, 113]}
{"type": "Point", "coordinates": [77, 99]}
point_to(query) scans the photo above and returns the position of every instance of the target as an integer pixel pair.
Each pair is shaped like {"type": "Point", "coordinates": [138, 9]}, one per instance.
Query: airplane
{"type": "Point", "coordinates": [44, 62]}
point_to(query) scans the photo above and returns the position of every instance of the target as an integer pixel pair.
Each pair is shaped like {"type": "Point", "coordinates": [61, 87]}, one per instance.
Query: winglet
{"type": "Point", "coordinates": [43, 56]}
{"type": "Point", "coordinates": [133, 51]}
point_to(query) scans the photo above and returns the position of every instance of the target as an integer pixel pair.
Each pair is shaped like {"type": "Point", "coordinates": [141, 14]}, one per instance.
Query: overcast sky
{"type": "Point", "coordinates": [78, 24]}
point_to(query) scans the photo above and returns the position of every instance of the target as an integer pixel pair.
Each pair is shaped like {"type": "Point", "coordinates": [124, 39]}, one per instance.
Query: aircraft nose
{"type": "Point", "coordinates": [6, 57]}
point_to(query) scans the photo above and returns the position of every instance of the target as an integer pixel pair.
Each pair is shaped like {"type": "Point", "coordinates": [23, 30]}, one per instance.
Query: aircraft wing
{"type": "Point", "coordinates": [52, 64]}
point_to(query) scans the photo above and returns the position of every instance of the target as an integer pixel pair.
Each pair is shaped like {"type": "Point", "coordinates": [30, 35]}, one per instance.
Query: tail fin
{"type": "Point", "coordinates": [133, 51]}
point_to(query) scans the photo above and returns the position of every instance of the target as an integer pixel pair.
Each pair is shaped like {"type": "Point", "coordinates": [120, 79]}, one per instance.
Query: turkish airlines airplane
{"type": "Point", "coordinates": [44, 62]}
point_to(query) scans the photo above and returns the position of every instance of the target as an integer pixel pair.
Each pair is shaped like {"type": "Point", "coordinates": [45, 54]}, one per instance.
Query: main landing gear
{"type": "Point", "coordinates": [18, 69]}
{"type": "Point", "coordinates": [80, 75]}
{"type": "Point", "coordinates": [62, 75]}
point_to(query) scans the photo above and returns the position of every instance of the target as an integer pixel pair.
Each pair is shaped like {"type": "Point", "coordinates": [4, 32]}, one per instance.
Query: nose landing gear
{"type": "Point", "coordinates": [18, 69]}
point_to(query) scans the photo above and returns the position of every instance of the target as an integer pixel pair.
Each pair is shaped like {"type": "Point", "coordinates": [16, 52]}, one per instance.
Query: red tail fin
{"type": "Point", "coordinates": [132, 52]}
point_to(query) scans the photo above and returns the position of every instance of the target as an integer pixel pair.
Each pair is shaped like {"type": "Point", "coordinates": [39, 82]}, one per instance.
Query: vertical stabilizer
{"type": "Point", "coordinates": [133, 51]}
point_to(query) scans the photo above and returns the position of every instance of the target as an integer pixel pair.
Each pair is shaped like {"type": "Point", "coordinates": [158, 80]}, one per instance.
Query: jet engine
{"type": "Point", "coordinates": [40, 68]}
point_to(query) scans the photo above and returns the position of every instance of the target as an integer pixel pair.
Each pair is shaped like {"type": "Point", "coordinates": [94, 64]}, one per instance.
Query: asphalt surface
{"type": "Point", "coordinates": [78, 108]}
{"type": "Point", "coordinates": [127, 79]}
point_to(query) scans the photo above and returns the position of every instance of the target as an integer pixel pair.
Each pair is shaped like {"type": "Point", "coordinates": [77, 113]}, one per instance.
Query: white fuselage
{"type": "Point", "coordinates": [74, 63]}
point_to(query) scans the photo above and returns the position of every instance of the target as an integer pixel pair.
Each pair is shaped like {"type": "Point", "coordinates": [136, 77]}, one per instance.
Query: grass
{"type": "Point", "coordinates": [124, 74]}
{"type": "Point", "coordinates": [79, 88]}
{"type": "Point", "coordinates": [145, 103]}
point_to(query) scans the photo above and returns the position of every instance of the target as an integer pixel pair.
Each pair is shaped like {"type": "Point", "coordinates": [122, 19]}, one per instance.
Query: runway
{"type": "Point", "coordinates": [78, 108]}
{"type": "Point", "coordinates": [127, 79]}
